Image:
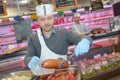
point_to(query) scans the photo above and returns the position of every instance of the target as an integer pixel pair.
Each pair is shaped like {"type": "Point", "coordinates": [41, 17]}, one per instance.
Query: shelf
{"type": "Point", "coordinates": [62, 25]}
{"type": "Point", "coordinates": [7, 43]}
{"type": "Point", "coordinates": [8, 35]}
{"type": "Point", "coordinates": [4, 74]}
{"type": "Point", "coordinates": [97, 19]}
{"type": "Point", "coordinates": [71, 23]}
{"type": "Point", "coordinates": [7, 23]}
{"type": "Point", "coordinates": [17, 53]}
{"type": "Point", "coordinates": [100, 36]}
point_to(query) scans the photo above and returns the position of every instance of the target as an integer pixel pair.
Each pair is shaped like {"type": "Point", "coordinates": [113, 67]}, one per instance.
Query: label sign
{"type": "Point", "coordinates": [105, 2]}
{"type": "Point", "coordinates": [2, 8]}
{"type": "Point", "coordinates": [96, 5]}
{"type": "Point", "coordinates": [64, 4]}
{"type": "Point", "coordinates": [116, 9]}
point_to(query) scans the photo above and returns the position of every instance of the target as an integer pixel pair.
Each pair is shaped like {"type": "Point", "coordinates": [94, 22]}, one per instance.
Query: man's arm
{"type": "Point", "coordinates": [86, 30]}
{"type": "Point", "coordinates": [75, 38]}
{"type": "Point", "coordinates": [83, 43]}
{"type": "Point", "coordinates": [75, 30]}
{"type": "Point", "coordinates": [30, 51]}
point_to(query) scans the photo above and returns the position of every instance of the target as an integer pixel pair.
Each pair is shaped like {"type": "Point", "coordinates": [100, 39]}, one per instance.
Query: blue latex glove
{"type": "Point", "coordinates": [34, 65]}
{"type": "Point", "coordinates": [82, 47]}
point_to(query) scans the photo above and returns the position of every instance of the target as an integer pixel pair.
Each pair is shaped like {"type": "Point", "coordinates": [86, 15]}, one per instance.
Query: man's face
{"type": "Point", "coordinates": [76, 19]}
{"type": "Point", "coordinates": [46, 22]}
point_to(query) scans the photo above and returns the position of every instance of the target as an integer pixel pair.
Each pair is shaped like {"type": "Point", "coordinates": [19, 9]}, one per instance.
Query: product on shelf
{"type": "Point", "coordinates": [34, 26]}
{"type": "Point", "coordinates": [61, 20]}
{"type": "Point", "coordinates": [11, 29]}
{"type": "Point", "coordinates": [23, 47]}
{"type": "Point", "coordinates": [92, 19]}
{"type": "Point", "coordinates": [98, 65]}
{"type": "Point", "coordinates": [9, 51]}
{"type": "Point", "coordinates": [98, 31]}
{"type": "Point", "coordinates": [5, 20]}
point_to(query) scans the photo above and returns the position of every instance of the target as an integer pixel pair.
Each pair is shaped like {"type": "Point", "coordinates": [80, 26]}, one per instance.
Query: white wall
{"type": "Point", "coordinates": [13, 10]}
{"type": "Point", "coordinates": [84, 2]}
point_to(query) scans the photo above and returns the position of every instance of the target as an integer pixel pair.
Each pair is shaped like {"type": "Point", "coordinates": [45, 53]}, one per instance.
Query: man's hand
{"type": "Point", "coordinates": [34, 65]}
{"type": "Point", "coordinates": [82, 47]}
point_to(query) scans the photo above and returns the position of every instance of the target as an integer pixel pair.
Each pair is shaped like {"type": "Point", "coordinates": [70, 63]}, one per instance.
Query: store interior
{"type": "Point", "coordinates": [18, 20]}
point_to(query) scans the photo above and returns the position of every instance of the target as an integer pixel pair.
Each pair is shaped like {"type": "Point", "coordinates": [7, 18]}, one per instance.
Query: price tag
{"type": "Point", "coordinates": [11, 46]}
{"type": "Point", "coordinates": [97, 56]}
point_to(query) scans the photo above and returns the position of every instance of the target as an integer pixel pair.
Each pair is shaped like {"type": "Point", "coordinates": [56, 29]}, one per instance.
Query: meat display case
{"type": "Point", "coordinates": [93, 51]}
{"type": "Point", "coordinates": [94, 55]}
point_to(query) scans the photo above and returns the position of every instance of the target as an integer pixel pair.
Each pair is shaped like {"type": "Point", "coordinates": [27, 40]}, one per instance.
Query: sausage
{"type": "Point", "coordinates": [60, 75]}
{"type": "Point", "coordinates": [55, 63]}
{"type": "Point", "coordinates": [74, 72]}
{"type": "Point", "coordinates": [73, 77]}
{"type": "Point", "coordinates": [59, 78]}
{"type": "Point", "coordinates": [50, 76]}
{"type": "Point", "coordinates": [68, 75]}
{"type": "Point", "coordinates": [43, 76]}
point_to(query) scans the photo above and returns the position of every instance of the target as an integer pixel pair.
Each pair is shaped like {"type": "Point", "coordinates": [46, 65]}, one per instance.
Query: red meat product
{"type": "Point", "coordinates": [55, 63]}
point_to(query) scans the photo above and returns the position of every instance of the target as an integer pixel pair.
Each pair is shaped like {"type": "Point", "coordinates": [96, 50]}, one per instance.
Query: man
{"type": "Point", "coordinates": [78, 28]}
{"type": "Point", "coordinates": [50, 42]}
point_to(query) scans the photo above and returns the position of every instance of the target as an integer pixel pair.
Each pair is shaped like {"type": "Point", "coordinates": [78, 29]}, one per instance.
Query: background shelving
{"type": "Point", "coordinates": [87, 18]}
{"type": "Point", "coordinates": [90, 19]}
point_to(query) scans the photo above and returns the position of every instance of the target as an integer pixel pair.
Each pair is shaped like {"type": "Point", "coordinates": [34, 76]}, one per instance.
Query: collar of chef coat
{"type": "Point", "coordinates": [52, 33]}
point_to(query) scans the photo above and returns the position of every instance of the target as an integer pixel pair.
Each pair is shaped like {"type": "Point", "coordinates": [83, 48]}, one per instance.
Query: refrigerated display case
{"type": "Point", "coordinates": [11, 52]}
{"type": "Point", "coordinates": [103, 59]}
{"type": "Point", "coordinates": [96, 48]}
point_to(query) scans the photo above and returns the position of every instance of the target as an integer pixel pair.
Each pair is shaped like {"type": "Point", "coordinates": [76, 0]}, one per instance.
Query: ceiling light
{"type": "Point", "coordinates": [23, 2]}
{"type": "Point", "coordinates": [4, 1]}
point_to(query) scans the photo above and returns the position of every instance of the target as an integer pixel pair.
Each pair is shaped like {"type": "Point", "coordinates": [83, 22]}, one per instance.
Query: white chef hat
{"type": "Point", "coordinates": [77, 15]}
{"type": "Point", "coordinates": [44, 9]}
